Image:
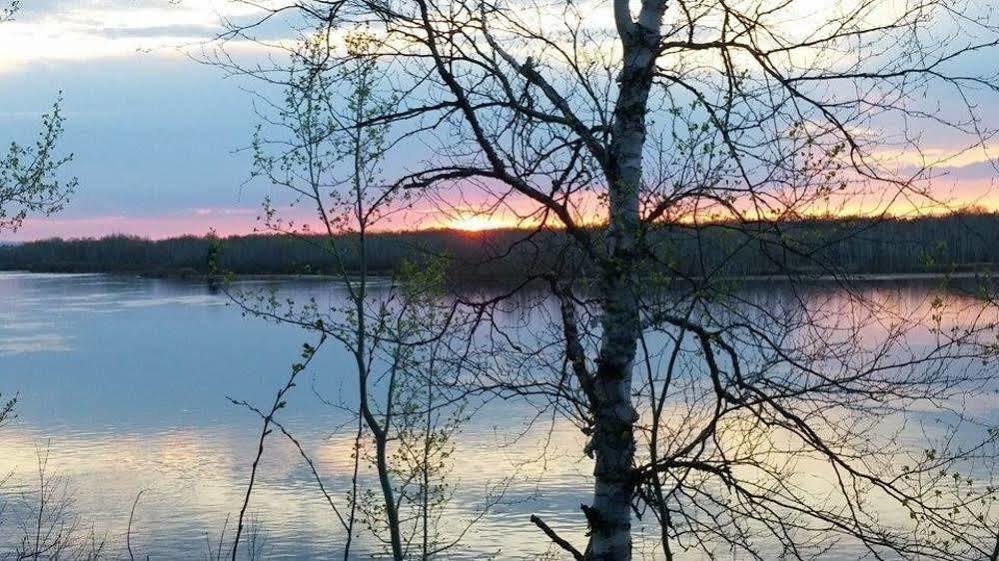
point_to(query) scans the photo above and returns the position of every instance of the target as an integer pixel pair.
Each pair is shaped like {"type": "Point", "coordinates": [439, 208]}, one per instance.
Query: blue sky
{"type": "Point", "coordinates": [155, 134]}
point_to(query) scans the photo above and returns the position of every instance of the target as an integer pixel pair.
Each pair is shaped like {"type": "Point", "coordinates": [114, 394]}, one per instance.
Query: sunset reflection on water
{"type": "Point", "coordinates": [122, 382]}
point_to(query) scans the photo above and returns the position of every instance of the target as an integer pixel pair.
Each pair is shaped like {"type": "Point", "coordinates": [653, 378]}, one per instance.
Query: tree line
{"type": "Point", "coordinates": [957, 242]}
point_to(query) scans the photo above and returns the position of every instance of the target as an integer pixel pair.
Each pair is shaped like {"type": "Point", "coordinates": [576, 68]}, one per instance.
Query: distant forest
{"type": "Point", "coordinates": [952, 243]}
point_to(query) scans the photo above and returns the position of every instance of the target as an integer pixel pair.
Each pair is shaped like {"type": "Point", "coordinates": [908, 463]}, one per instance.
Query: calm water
{"type": "Point", "coordinates": [122, 382]}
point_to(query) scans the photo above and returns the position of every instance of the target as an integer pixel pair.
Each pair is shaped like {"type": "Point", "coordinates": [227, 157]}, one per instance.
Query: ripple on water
{"type": "Point", "coordinates": [134, 400]}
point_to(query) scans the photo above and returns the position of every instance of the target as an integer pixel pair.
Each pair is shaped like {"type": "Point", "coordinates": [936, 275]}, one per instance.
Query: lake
{"type": "Point", "coordinates": [122, 385]}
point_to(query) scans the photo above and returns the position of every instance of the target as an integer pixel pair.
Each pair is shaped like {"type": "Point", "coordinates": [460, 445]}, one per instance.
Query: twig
{"type": "Point", "coordinates": [558, 540]}
{"type": "Point", "coordinates": [268, 418]}
{"type": "Point", "coordinates": [131, 515]}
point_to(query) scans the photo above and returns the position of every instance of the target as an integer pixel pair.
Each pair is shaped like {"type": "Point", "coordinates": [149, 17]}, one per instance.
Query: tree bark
{"type": "Point", "coordinates": [613, 441]}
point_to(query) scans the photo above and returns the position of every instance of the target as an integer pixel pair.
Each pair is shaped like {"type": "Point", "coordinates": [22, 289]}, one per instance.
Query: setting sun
{"type": "Point", "coordinates": [479, 222]}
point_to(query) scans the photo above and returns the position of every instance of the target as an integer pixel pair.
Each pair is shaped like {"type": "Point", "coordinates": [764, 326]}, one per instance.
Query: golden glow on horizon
{"type": "Point", "coordinates": [479, 222]}
{"type": "Point", "coordinates": [971, 196]}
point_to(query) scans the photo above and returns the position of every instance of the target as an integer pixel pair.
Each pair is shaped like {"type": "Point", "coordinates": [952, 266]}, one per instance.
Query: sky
{"type": "Point", "coordinates": [156, 136]}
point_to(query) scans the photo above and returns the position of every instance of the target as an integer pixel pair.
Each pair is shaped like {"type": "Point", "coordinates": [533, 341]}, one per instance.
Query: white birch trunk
{"type": "Point", "coordinates": [613, 441]}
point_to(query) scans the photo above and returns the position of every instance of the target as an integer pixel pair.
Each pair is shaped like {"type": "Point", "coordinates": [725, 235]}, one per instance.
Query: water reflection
{"type": "Point", "coordinates": [123, 381]}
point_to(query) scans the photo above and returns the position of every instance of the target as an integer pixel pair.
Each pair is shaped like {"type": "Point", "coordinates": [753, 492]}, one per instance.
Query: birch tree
{"type": "Point", "coordinates": [614, 122]}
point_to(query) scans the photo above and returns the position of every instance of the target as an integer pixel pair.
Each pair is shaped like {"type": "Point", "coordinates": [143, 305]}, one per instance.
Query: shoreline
{"type": "Point", "coordinates": [780, 278]}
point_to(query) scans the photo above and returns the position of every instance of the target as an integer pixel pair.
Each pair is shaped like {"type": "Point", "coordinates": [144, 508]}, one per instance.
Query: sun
{"type": "Point", "coordinates": [477, 222]}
